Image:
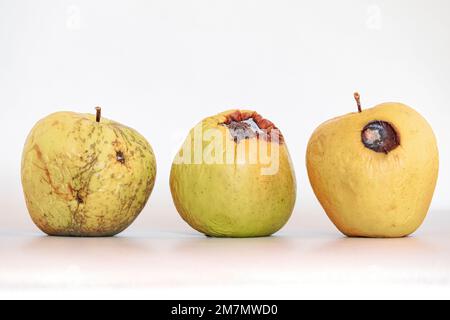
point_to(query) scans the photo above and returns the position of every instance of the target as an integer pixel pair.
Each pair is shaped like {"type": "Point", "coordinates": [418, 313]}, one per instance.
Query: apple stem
{"type": "Point", "coordinates": [358, 101]}
{"type": "Point", "coordinates": [99, 114]}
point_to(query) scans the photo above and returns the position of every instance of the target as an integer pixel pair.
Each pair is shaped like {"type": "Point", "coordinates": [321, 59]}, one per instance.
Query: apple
{"type": "Point", "coordinates": [233, 177]}
{"type": "Point", "coordinates": [375, 171]}
{"type": "Point", "coordinates": [84, 175]}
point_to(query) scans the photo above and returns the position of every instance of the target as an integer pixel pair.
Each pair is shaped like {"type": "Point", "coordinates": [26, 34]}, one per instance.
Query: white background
{"type": "Point", "coordinates": [162, 66]}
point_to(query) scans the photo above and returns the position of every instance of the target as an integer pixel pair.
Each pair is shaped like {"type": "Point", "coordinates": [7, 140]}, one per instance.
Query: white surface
{"type": "Point", "coordinates": [308, 262]}
{"type": "Point", "coordinates": [162, 66]}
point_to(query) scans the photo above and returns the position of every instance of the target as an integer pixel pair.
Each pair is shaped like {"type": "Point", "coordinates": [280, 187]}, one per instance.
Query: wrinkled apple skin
{"type": "Point", "coordinates": [371, 194]}
{"type": "Point", "coordinates": [233, 200]}
{"type": "Point", "coordinates": [83, 178]}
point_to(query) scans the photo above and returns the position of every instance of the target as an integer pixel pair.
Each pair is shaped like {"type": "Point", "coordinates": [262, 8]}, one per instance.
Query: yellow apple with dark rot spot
{"type": "Point", "coordinates": [375, 171]}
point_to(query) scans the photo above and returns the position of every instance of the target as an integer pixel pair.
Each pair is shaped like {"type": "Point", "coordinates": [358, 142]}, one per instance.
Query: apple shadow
{"type": "Point", "coordinates": [364, 251]}
{"type": "Point", "coordinates": [71, 249]}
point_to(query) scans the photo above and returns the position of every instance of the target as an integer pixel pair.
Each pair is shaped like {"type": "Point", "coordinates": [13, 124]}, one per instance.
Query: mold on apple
{"type": "Point", "coordinates": [246, 125]}
{"type": "Point", "coordinates": [380, 136]}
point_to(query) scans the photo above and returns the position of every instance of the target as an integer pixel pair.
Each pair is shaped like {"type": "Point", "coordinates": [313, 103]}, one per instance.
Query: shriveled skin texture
{"type": "Point", "coordinates": [83, 178]}
{"type": "Point", "coordinates": [234, 200]}
{"type": "Point", "coordinates": [370, 194]}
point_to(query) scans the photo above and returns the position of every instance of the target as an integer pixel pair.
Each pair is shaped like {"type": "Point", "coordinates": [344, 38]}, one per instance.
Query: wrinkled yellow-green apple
{"type": "Point", "coordinates": [84, 175]}
{"type": "Point", "coordinates": [233, 177]}
{"type": "Point", "coordinates": [375, 171]}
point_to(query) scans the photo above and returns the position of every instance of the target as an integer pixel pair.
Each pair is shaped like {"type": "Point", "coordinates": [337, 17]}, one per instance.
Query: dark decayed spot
{"type": "Point", "coordinates": [120, 157]}
{"type": "Point", "coordinates": [241, 131]}
{"type": "Point", "coordinates": [245, 125]}
{"type": "Point", "coordinates": [79, 199]}
{"type": "Point", "coordinates": [380, 136]}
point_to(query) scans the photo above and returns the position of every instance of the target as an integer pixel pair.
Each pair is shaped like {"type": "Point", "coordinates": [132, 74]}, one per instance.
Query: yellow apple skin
{"type": "Point", "coordinates": [370, 194]}
{"type": "Point", "coordinates": [83, 178]}
{"type": "Point", "coordinates": [233, 199]}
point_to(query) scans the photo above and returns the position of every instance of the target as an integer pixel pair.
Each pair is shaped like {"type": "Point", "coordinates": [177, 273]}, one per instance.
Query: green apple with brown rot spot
{"type": "Point", "coordinates": [235, 192]}
{"type": "Point", "coordinates": [84, 175]}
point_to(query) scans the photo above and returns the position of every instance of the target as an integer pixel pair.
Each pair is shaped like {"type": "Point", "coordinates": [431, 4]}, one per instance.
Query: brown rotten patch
{"type": "Point", "coordinates": [380, 136]}
{"type": "Point", "coordinates": [247, 125]}
{"type": "Point", "coordinates": [120, 157]}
